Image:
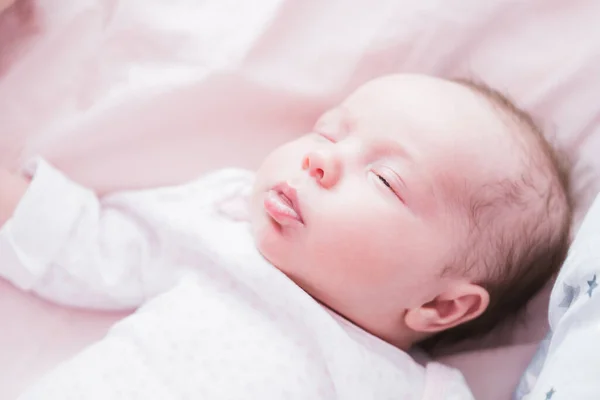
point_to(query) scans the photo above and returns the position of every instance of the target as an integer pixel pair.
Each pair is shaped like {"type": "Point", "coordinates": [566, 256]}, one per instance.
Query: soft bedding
{"type": "Point", "coordinates": [566, 362]}
{"type": "Point", "coordinates": [141, 93]}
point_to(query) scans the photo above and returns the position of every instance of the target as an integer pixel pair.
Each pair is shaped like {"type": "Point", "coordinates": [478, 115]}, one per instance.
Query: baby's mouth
{"type": "Point", "coordinates": [281, 203]}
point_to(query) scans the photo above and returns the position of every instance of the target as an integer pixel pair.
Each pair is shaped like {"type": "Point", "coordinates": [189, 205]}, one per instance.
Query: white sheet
{"type": "Point", "coordinates": [567, 364]}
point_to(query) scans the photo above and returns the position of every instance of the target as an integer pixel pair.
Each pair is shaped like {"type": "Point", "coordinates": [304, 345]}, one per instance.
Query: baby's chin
{"type": "Point", "coordinates": [269, 245]}
{"type": "Point", "coordinates": [264, 240]}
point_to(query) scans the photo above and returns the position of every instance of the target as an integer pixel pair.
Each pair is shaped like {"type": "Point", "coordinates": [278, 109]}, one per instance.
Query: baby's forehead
{"type": "Point", "coordinates": [411, 89]}
{"type": "Point", "coordinates": [436, 116]}
{"type": "Point", "coordinates": [428, 105]}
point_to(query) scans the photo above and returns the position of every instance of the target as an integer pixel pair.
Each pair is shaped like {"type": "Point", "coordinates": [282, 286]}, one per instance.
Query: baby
{"type": "Point", "coordinates": [419, 210]}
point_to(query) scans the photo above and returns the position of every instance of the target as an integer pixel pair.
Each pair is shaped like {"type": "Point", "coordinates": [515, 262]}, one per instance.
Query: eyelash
{"type": "Point", "coordinates": [385, 182]}
{"type": "Point", "coordinates": [388, 185]}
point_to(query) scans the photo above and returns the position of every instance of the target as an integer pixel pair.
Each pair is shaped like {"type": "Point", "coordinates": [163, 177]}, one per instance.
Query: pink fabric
{"type": "Point", "coordinates": [146, 92]}
{"type": "Point", "coordinates": [492, 374]}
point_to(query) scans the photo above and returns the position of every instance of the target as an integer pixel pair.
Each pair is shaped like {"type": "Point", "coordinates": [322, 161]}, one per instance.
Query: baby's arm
{"type": "Point", "coordinates": [61, 242]}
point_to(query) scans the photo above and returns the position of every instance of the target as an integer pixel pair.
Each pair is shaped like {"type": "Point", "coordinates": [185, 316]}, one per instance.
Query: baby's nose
{"type": "Point", "coordinates": [324, 166]}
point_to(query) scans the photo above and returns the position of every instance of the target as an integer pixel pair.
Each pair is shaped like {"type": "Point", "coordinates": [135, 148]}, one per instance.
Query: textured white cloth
{"type": "Point", "coordinates": [567, 363]}
{"type": "Point", "coordinates": [217, 320]}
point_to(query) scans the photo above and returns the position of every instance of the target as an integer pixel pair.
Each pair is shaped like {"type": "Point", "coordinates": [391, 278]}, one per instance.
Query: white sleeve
{"type": "Point", "coordinates": [445, 383]}
{"type": "Point", "coordinates": [67, 246]}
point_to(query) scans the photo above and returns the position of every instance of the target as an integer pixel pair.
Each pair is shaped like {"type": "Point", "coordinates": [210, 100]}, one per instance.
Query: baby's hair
{"type": "Point", "coordinates": [519, 229]}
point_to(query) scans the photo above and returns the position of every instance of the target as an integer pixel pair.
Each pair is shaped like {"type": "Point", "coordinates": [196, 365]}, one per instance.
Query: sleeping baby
{"type": "Point", "coordinates": [418, 211]}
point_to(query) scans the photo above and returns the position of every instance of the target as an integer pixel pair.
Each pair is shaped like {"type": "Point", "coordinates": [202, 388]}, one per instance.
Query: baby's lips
{"type": "Point", "coordinates": [281, 209]}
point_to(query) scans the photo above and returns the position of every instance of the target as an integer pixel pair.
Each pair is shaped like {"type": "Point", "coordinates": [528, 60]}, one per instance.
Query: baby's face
{"type": "Point", "coordinates": [356, 211]}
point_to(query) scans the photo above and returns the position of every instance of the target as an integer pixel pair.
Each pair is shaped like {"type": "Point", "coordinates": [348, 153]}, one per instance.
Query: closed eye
{"type": "Point", "coordinates": [386, 183]}
{"type": "Point", "coordinates": [392, 182]}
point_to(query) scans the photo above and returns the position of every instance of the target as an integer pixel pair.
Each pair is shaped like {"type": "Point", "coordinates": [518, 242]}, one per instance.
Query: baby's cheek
{"type": "Point", "coordinates": [353, 253]}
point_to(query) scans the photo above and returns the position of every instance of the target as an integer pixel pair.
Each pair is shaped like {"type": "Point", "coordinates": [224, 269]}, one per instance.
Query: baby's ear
{"type": "Point", "coordinates": [461, 302]}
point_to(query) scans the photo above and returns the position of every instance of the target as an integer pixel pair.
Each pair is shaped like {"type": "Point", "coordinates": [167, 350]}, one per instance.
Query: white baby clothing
{"type": "Point", "coordinates": [216, 320]}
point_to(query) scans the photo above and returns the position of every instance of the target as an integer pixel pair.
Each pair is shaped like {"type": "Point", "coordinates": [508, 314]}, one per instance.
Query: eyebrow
{"type": "Point", "coordinates": [390, 147]}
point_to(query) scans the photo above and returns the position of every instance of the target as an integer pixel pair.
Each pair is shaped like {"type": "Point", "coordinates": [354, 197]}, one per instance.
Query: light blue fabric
{"type": "Point", "coordinates": [532, 372]}
{"type": "Point", "coordinates": [567, 362]}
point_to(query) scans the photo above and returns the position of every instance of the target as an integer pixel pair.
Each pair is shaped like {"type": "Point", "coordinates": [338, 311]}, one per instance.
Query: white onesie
{"type": "Point", "coordinates": [216, 321]}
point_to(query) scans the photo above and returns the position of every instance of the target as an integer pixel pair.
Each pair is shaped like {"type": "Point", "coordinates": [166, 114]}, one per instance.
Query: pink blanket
{"type": "Point", "coordinates": [146, 92]}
